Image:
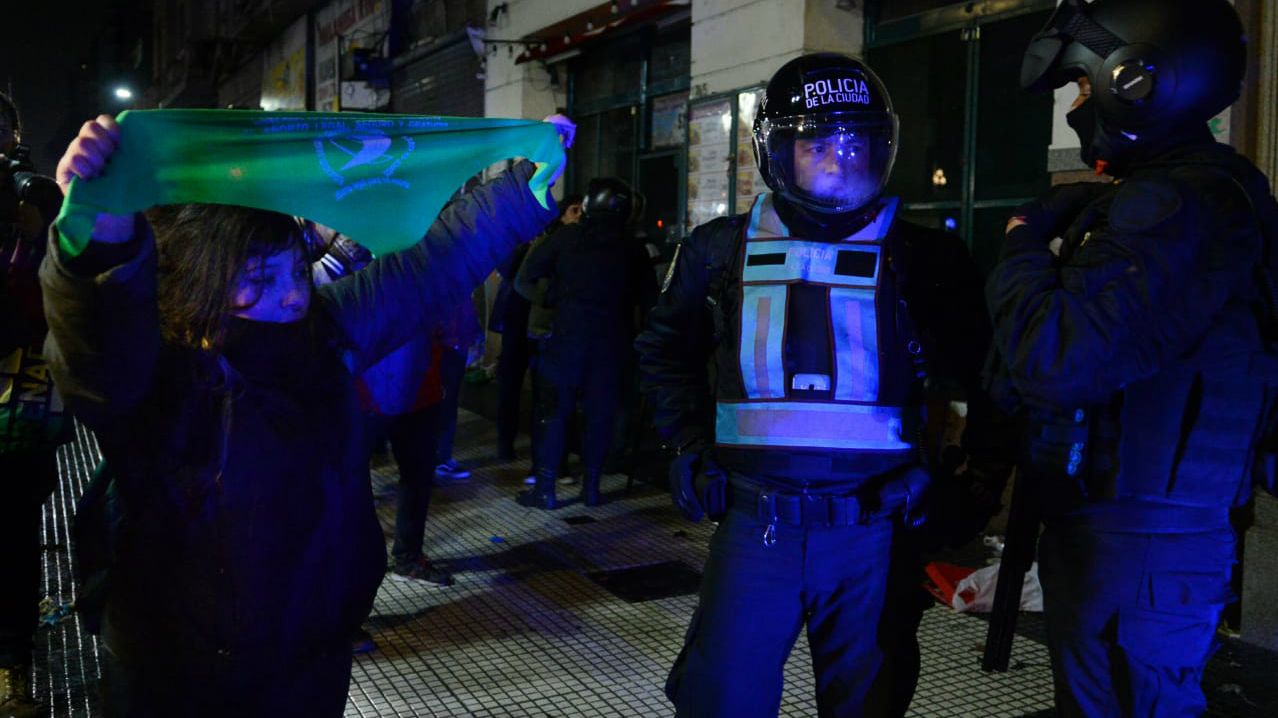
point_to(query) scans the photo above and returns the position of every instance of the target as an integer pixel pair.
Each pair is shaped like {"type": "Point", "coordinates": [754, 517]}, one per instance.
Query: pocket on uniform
{"type": "Point", "coordinates": [1157, 638]}
{"type": "Point", "coordinates": [1175, 592]}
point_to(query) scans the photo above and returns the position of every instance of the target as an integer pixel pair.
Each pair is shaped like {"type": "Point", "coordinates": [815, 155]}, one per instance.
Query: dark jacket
{"type": "Point", "coordinates": [699, 308]}
{"type": "Point", "coordinates": [248, 535]}
{"type": "Point", "coordinates": [31, 416]}
{"type": "Point", "coordinates": [1144, 330]}
{"type": "Point", "coordinates": [509, 315]}
{"type": "Point", "coordinates": [599, 276]}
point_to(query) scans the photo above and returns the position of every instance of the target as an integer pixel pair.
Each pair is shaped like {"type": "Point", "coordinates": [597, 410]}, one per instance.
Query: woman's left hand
{"type": "Point", "coordinates": [567, 128]}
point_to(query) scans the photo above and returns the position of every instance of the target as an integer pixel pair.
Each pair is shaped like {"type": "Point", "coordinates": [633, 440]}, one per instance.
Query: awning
{"type": "Point", "coordinates": [585, 27]}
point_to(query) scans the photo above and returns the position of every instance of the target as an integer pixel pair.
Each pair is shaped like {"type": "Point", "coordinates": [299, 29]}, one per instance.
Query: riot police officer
{"type": "Point", "coordinates": [598, 277]}
{"type": "Point", "coordinates": [824, 313]}
{"type": "Point", "coordinates": [1134, 348]}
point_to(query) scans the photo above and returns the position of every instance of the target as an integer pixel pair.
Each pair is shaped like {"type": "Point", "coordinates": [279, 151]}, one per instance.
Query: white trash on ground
{"type": "Point", "coordinates": [975, 593]}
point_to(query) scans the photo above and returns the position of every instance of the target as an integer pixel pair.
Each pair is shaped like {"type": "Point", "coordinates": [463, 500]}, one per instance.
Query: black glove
{"type": "Point", "coordinates": [1046, 218]}
{"type": "Point", "coordinates": [904, 494]}
{"type": "Point", "coordinates": [697, 485]}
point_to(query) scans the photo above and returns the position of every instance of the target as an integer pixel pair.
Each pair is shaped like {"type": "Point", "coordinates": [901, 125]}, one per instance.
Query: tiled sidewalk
{"type": "Point", "coordinates": [526, 632]}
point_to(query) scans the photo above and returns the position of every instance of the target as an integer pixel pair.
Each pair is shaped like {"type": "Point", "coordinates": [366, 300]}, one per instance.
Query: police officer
{"type": "Point", "coordinates": [598, 277]}
{"type": "Point", "coordinates": [819, 307]}
{"type": "Point", "coordinates": [1134, 346]}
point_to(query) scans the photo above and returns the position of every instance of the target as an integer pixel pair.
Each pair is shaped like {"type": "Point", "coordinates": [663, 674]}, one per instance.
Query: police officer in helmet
{"type": "Point", "coordinates": [598, 277]}
{"type": "Point", "coordinates": [1130, 347]}
{"type": "Point", "coordinates": [828, 319]}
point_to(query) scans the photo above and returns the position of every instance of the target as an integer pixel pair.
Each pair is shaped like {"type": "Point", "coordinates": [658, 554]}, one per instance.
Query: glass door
{"type": "Point", "coordinates": [973, 145]}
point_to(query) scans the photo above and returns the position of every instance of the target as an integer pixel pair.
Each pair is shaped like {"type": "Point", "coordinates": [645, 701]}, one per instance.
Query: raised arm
{"type": "Point", "coordinates": [104, 330]}
{"type": "Point", "coordinates": [382, 306]}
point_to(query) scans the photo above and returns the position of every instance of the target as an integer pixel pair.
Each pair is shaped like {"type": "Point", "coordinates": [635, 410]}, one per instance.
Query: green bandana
{"type": "Point", "coordinates": [379, 178]}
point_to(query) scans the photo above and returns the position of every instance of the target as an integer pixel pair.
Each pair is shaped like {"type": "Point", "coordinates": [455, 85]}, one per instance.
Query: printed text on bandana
{"type": "Point", "coordinates": [846, 90]}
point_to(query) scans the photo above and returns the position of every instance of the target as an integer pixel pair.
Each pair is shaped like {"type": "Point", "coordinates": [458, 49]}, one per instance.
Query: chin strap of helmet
{"type": "Point", "coordinates": [805, 223]}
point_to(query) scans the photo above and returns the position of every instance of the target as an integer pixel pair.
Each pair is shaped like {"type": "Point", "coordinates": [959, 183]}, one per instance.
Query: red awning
{"type": "Point", "coordinates": [593, 24]}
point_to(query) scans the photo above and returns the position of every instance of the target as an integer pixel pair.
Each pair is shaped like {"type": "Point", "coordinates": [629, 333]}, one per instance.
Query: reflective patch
{"type": "Point", "coordinates": [794, 260]}
{"type": "Point", "coordinates": [851, 268]}
{"type": "Point", "coordinates": [762, 332]}
{"type": "Point", "coordinates": [812, 425]}
{"type": "Point", "coordinates": [856, 344]}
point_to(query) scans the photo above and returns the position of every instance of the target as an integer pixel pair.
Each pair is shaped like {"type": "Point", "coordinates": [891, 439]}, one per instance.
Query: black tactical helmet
{"type": "Point", "coordinates": [1152, 63]}
{"type": "Point", "coordinates": [826, 96]}
{"type": "Point", "coordinates": [608, 198]}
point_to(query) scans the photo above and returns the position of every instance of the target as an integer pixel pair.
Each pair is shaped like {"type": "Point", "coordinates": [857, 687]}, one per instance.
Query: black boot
{"type": "Point", "coordinates": [590, 495]}
{"type": "Point", "coordinates": [541, 496]}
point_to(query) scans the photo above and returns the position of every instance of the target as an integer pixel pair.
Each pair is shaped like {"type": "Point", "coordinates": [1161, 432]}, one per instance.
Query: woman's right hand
{"type": "Point", "coordinates": [86, 157]}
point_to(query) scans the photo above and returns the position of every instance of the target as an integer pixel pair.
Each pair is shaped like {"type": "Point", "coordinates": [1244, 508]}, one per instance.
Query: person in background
{"type": "Point", "coordinates": [458, 337]}
{"type": "Point", "coordinates": [402, 396]}
{"type": "Point", "coordinates": [510, 319]}
{"type": "Point", "coordinates": [32, 424]}
{"type": "Point", "coordinates": [598, 277]}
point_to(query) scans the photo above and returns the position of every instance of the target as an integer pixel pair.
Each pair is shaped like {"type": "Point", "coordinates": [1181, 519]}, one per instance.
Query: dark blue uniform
{"type": "Point", "coordinates": [816, 407]}
{"type": "Point", "coordinates": [1135, 356]}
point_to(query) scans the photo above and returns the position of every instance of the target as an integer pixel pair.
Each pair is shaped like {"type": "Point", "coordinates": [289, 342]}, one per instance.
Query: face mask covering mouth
{"type": "Point", "coordinates": [1082, 120]}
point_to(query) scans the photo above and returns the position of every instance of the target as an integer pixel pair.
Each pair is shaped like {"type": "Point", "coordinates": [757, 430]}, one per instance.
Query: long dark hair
{"type": "Point", "coordinates": [202, 250]}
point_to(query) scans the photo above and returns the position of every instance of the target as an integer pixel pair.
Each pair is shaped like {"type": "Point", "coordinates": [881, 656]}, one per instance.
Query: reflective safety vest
{"type": "Point", "coordinates": [862, 408]}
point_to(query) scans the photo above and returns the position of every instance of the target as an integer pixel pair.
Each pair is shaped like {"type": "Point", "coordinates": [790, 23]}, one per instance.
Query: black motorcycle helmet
{"type": "Point", "coordinates": [1155, 67]}
{"type": "Point", "coordinates": [834, 97]}
{"type": "Point", "coordinates": [608, 199]}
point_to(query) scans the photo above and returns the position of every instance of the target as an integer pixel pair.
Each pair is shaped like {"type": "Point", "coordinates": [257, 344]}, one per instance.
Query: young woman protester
{"type": "Point", "coordinates": [219, 385]}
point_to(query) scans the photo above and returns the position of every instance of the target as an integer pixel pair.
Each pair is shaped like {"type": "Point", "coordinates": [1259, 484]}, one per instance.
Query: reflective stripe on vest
{"type": "Point", "coordinates": [851, 270]}
{"type": "Point", "coordinates": [794, 424]}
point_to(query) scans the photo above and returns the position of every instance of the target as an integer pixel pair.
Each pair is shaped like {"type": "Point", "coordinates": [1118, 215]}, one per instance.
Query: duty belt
{"type": "Point", "coordinates": [772, 506]}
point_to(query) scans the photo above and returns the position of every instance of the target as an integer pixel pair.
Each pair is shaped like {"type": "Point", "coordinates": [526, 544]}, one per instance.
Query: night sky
{"type": "Point", "coordinates": [45, 42]}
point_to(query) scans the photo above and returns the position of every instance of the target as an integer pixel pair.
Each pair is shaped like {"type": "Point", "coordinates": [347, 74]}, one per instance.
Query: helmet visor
{"type": "Point", "coordinates": [832, 163]}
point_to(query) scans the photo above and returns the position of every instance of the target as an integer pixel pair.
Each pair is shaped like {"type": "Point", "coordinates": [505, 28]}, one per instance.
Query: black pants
{"type": "Point", "coordinates": [754, 601]}
{"type": "Point", "coordinates": [1131, 618]}
{"type": "Point", "coordinates": [452, 369]}
{"type": "Point", "coordinates": [598, 393]}
{"type": "Point", "coordinates": [28, 479]}
{"type": "Point", "coordinates": [512, 367]}
{"type": "Point", "coordinates": [413, 438]}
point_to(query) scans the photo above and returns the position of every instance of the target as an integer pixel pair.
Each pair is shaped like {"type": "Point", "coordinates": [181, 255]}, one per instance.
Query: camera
{"type": "Point", "coordinates": [19, 182]}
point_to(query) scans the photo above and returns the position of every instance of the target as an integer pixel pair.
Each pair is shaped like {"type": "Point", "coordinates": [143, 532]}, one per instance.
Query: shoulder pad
{"type": "Point", "coordinates": [1143, 204]}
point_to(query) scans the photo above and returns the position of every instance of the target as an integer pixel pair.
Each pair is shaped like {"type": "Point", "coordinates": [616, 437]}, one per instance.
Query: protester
{"type": "Point", "coordinates": [223, 399]}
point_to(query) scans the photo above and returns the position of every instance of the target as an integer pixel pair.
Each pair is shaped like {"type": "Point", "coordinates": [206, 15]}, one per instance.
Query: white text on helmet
{"type": "Point", "coordinates": [839, 91]}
